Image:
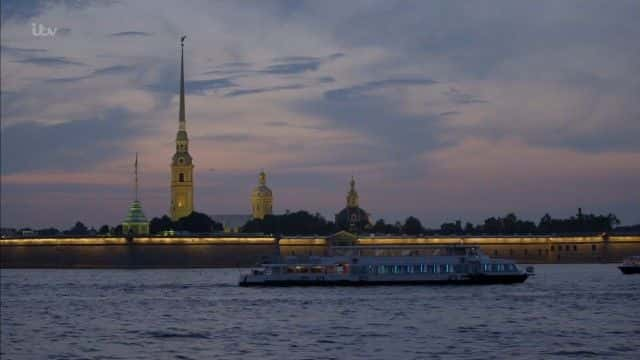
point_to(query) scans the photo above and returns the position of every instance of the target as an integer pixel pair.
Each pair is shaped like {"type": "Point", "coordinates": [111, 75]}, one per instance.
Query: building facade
{"type": "Point", "coordinates": [181, 163]}
{"type": "Point", "coordinates": [261, 198]}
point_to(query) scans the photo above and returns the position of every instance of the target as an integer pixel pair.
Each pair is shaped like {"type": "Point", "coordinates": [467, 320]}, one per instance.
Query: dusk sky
{"type": "Point", "coordinates": [443, 110]}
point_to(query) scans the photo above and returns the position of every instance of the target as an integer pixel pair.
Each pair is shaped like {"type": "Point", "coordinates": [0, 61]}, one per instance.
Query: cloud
{"type": "Point", "coordinates": [244, 92]}
{"type": "Point", "coordinates": [115, 70]}
{"type": "Point", "coordinates": [55, 61]}
{"type": "Point", "coordinates": [461, 98]}
{"type": "Point", "coordinates": [17, 10]}
{"type": "Point", "coordinates": [74, 145]}
{"type": "Point", "coordinates": [131, 34]}
{"type": "Point", "coordinates": [298, 64]}
{"type": "Point", "coordinates": [16, 51]}
{"type": "Point", "coordinates": [234, 138]}
{"type": "Point", "coordinates": [201, 87]}
{"type": "Point", "coordinates": [349, 93]}
{"type": "Point", "coordinates": [107, 71]}
{"type": "Point", "coordinates": [292, 68]}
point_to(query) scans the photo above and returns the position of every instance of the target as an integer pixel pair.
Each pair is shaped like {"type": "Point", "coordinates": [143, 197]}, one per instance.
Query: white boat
{"type": "Point", "coordinates": [631, 265]}
{"type": "Point", "coordinates": [384, 265]}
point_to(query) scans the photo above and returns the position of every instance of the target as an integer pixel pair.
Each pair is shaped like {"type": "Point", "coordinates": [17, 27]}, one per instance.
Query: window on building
{"type": "Point", "coordinates": [526, 251]}
{"type": "Point", "coordinates": [594, 247]}
{"type": "Point", "coordinates": [495, 252]}
{"type": "Point", "coordinates": [181, 177]}
{"type": "Point", "coordinates": [575, 247]}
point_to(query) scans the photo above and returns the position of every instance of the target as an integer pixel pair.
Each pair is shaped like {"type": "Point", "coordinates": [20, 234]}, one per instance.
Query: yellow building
{"type": "Point", "coordinates": [135, 223]}
{"type": "Point", "coordinates": [261, 199]}
{"type": "Point", "coordinates": [182, 163]}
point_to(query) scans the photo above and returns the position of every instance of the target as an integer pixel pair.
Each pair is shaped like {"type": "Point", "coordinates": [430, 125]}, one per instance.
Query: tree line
{"type": "Point", "coordinates": [304, 223]}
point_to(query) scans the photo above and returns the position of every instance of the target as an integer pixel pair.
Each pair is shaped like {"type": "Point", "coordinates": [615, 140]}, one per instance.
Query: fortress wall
{"type": "Point", "coordinates": [303, 246]}
{"type": "Point", "coordinates": [245, 251]}
{"type": "Point", "coordinates": [136, 253]}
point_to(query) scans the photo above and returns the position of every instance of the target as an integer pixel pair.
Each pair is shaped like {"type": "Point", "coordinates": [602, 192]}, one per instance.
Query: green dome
{"type": "Point", "coordinates": [135, 214]}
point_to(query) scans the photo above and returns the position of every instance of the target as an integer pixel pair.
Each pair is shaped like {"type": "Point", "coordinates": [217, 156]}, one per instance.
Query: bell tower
{"type": "Point", "coordinates": [261, 198]}
{"type": "Point", "coordinates": [352, 195]}
{"type": "Point", "coordinates": [182, 163]}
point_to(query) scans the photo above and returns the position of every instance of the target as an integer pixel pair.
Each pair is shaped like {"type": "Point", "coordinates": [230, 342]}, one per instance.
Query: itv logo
{"type": "Point", "coordinates": [43, 31]}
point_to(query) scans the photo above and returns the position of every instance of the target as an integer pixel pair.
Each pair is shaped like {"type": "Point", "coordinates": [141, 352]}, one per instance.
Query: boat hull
{"type": "Point", "coordinates": [627, 270]}
{"type": "Point", "coordinates": [479, 279]}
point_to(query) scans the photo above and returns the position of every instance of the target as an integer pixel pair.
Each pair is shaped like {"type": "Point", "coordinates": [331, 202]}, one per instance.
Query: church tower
{"type": "Point", "coordinates": [135, 223]}
{"type": "Point", "coordinates": [352, 195]}
{"type": "Point", "coordinates": [261, 199]}
{"type": "Point", "coordinates": [181, 164]}
{"type": "Point", "coordinates": [353, 218]}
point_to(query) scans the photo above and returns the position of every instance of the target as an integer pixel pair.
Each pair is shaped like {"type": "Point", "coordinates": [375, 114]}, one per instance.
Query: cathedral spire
{"type": "Point", "coordinates": [135, 188]}
{"type": "Point", "coordinates": [352, 196]}
{"type": "Point", "coordinates": [181, 163]}
{"type": "Point", "coordinates": [181, 117]}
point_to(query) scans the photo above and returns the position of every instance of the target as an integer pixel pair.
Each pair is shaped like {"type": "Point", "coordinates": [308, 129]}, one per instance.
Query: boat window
{"type": "Point", "coordinates": [443, 268]}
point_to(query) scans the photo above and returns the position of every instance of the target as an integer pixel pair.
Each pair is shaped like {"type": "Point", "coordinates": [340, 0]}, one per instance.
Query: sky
{"type": "Point", "coordinates": [443, 110]}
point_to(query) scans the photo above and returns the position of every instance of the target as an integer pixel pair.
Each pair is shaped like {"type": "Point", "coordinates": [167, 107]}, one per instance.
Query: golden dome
{"type": "Point", "coordinates": [262, 190]}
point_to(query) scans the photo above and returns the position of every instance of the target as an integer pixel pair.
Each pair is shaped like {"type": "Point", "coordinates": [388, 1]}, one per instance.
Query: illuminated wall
{"type": "Point", "coordinates": [244, 251]}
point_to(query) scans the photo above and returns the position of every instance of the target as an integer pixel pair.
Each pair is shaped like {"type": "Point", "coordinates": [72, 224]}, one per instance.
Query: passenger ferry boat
{"type": "Point", "coordinates": [384, 265]}
{"type": "Point", "coordinates": [631, 265]}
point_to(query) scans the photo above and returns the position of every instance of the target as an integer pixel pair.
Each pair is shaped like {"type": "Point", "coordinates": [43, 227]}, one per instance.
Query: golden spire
{"type": "Point", "coordinates": [181, 116]}
{"type": "Point", "coordinates": [352, 196]}
{"type": "Point", "coordinates": [262, 178]}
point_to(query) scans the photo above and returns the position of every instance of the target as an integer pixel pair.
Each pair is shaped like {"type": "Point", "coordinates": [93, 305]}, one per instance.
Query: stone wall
{"type": "Point", "coordinates": [245, 251]}
{"type": "Point", "coordinates": [136, 253]}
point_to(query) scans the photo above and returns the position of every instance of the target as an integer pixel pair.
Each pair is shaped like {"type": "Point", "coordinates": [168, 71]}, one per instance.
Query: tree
{"type": "Point", "coordinates": [451, 228]}
{"type": "Point", "coordinates": [78, 229]}
{"type": "Point", "coordinates": [197, 223]}
{"type": "Point", "coordinates": [379, 227]}
{"type": "Point", "coordinates": [160, 225]}
{"type": "Point", "coordinates": [49, 232]}
{"type": "Point", "coordinates": [104, 230]}
{"type": "Point", "coordinates": [412, 226]}
{"type": "Point", "coordinates": [468, 228]}
{"type": "Point", "coordinates": [290, 223]}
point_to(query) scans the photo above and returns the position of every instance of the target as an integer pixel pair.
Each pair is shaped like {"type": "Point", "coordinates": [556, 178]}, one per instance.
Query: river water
{"type": "Point", "coordinates": [566, 311]}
